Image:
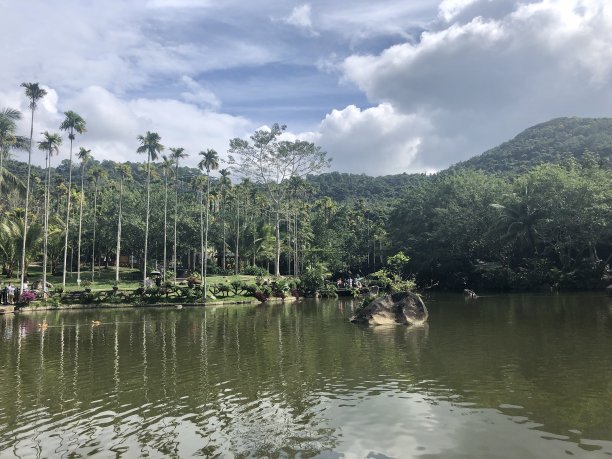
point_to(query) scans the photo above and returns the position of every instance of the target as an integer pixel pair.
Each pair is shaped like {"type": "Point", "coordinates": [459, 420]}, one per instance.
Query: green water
{"type": "Point", "coordinates": [504, 376]}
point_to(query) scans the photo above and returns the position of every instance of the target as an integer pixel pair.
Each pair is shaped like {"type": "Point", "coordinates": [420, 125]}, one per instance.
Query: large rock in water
{"type": "Point", "coordinates": [405, 308]}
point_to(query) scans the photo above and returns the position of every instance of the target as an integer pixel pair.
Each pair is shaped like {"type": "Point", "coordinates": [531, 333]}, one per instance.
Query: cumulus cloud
{"type": "Point", "coordinates": [113, 124]}
{"type": "Point", "coordinates": [376, 140]}
{"type": "Point", "coordinates": [481, 81]}
{"type": "Point", "coordinates": [437, 82]}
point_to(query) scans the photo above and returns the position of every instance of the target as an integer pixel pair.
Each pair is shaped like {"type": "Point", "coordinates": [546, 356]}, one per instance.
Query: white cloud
{"type": "Point", "coordinates": [199, 95]}
{"type": "Point", "coordinates": [113, 124]}
{"type": "Point", "coordinates": [449, 9]}
{"type": "Point", "coordinates": [301, 17]}
{"type": "Point", "coordinates": [376, 140]}
{"type": "Point", "coordinates": [482, 81]}
{"type": "Point", "coordinates": [482, 71]}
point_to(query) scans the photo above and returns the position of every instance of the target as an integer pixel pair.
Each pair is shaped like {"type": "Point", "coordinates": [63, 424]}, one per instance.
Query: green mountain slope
{"type": "Point", "coordinates": [555, 141]}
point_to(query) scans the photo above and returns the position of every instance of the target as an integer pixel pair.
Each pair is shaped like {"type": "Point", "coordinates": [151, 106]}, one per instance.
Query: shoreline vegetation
{"type": "Point", "coordinates": [532, 214]}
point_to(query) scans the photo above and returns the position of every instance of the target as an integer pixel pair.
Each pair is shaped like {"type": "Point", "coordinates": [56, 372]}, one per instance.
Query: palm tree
{"type": "Point", "coordinates": [32, 235]}
{"type": "Point", "coordinates": [126, 173]}
{"type": "Point", "coordinates": [176, 155]}
{"type": "Point", "coordinates": [34, 93]}
{"type": "Point", "coordinates": [84, 155]}
{"type": "Point", "coordinates": [210, 162]}
{"type": "Point", "coordinates": [9, 139]}
{"type": "Point", "coordinates": [198, 183]}
{"type": "Point", "coordinates": [518, 220]}
{"type": "Point", "coordinates": [73, 123]}
{"type": "Point", "coordinates": [166, 166]}
{"type": "Point", "coordinates": [225, 183]}
{"type": "Point", "coordinates": [96, 175]}
{"type": "Point", "coordinates": [149, 144]}
{"type": "Point", "coordinates": [50, 145]}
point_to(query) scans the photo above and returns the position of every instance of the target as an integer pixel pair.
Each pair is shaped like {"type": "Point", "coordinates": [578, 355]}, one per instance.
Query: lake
{"type": "Point", "coordinates": [503, 376]}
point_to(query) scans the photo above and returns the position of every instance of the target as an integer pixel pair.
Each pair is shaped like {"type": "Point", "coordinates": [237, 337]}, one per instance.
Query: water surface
{"type": "Point", "coordinates": [503, 376]}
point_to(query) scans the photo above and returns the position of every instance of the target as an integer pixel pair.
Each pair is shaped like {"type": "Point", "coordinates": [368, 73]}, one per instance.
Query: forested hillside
{"type": "Point", "coordinates": [534, 211]}
{"type": "Point", "coordinates": [556, 141]}
{"type": "Point", "coordinates": [352, 187]}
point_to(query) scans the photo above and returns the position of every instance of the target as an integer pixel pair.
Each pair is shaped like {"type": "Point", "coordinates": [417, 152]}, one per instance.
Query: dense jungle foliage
{"type": "Point", "coordinates": [533, 213]}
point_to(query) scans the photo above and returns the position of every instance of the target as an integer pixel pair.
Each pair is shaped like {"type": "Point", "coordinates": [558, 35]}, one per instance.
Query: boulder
{"type": "Point", "coordinates": [404, 308]}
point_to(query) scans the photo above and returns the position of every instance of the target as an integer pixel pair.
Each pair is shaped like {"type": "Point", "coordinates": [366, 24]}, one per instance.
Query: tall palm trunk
{"type": "Point", "coordinates": [93, 246]}
{"type": "Point", "coordinates": [296, 263]}
{"type": "Point", "coordinates": [67, 213]}
{"type": "Point", "coordinates": [80, 224]}
{"type": "Point", "coordinates": [46, 220]}
{"type": "Point", "coordinates": [27, 206]}
{"type": "Point", "coordinates": [165, 223]}
{"type": "Point", "coordinates": [119, 232]}
{"type": "Point", "coordinates": [25, 219]}
{"type": "Point", "coordinates": [278, 244]}
{"type": "Point", "coordinates": [205, 273]}
{"type": "Point", "coordinates": [175, 219]}
{"type": "Point", "coordinates": [202, 253]}
{"type": "Point", "coordinates": [2, 153]}
{"type": "Point", "coordinates": [223, 223]}
{"type": "Point", "coordinates": [236, 255]}
{"type": "Point", "coordinates": [146, 246]}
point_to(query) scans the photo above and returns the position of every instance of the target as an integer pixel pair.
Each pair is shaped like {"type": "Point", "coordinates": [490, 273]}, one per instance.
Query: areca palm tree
{"type": "Point", "coordinates": [34, 93]}
{"type": "Point", "coordinates": [224, 183]}
{"type": "Point", "coordinates": [96, 175]}
{"type": "Point", "coordinates": [126, 173]}
{"type": "Point", "coordinates": [9, 140]}
{"type": "Point", "coordinates": [74, 124]}
{"type": "Point", "coordinates": [177, 154]}
{"type": "Point", "coordinates": [198, 183]}
{"type": "Point", "coordinates": [32, 235]}
{"type": "Point", "coordinates": [50, 145]}
{"type": "Point", "coordinates": [149, 144]}
{"type": "Point", "coordinates": [84, 155]}
{"type": "Point", "coordinates": [210, 162]}
{"type": "Point", "coordinates": [166, 166]}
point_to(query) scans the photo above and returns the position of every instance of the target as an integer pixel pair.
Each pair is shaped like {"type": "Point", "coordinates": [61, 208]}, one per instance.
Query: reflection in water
{"type": "Point", "coordinates": [510, 376]}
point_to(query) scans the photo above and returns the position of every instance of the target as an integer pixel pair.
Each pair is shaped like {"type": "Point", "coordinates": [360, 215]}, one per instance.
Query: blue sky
{"type": "Point", "coordinates": [384, 87]}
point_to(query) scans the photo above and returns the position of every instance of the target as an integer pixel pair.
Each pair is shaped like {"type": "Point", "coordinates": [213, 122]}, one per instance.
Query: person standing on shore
{"type": "Point", "coordinates": [10, 293]}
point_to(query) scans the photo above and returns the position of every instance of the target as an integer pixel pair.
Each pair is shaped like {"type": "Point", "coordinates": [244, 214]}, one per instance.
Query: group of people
{"type": "Point", "coordinates": [7, 293]}
{"type": "Point", "coordinates": [349, 282]}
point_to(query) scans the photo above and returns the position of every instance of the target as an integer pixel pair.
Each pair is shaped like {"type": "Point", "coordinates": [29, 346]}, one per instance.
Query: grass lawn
{"type": "Point", "coordinates": [104, 279]}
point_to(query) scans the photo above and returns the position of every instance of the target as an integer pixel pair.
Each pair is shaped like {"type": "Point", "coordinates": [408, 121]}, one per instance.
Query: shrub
{"type": "Point", "coordinates": [27, 297]}
{"type": "Point", "coordinates": [255, 271]}
{"type": "Point", "coordinates": [313, 280]}
{"type": "Point", "coordinates": [237, 286]}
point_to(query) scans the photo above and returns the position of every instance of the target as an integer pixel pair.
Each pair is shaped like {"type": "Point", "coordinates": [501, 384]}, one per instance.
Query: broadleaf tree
{"type": "Point", "coordinates": [269, 160]}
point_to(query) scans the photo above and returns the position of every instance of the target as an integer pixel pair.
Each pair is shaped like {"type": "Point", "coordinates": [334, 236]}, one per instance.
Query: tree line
{"type": "Point", "coordinates": [269, 210]}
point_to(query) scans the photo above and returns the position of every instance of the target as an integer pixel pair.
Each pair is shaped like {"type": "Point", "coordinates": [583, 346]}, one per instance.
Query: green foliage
{"type": "Point", "coordinates": [255, 271]}
{"type": "Point", "coordinates": [559, 141]}
{"type": "Point", "coordinates": [313, 280]}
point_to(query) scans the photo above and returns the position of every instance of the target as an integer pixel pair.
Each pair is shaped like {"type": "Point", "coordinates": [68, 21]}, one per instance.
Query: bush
{"type": "Point", "coordinates": [27, 297]}
{"type": "Point", "coordinates": [237, 286]}
{"type": "Point", "coordinates": [313, 280]}
{"type": "Point", "coordinates": [255, 271]}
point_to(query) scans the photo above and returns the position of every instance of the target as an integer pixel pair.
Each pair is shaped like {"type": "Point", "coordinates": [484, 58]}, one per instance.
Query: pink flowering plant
{"type": "Point", "coordinates": [27, 297]}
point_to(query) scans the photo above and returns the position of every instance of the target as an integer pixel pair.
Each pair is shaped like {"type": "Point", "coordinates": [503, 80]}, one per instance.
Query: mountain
{"type": "Point", "coordinates": [555, 141]}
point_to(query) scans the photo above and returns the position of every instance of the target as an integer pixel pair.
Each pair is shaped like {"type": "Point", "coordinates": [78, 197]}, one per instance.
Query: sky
{"type": "Point", "coordinates": [384, 87]}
